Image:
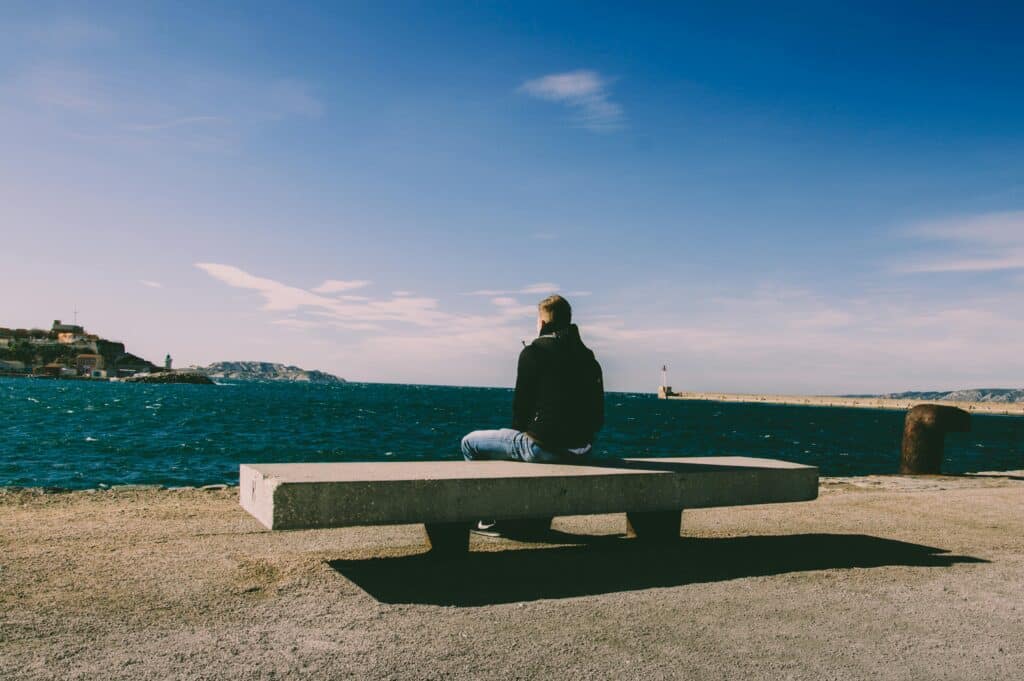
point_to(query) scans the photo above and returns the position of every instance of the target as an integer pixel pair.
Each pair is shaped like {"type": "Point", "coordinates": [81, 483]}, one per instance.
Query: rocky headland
{"type": "Point", "coordinates": [971, 395]}
{"type": "Point", "coordinates": [266, 371]}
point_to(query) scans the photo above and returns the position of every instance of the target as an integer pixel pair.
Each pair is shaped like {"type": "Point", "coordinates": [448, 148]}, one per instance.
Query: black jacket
{"type": "Point", "coordinates": [559, 396]}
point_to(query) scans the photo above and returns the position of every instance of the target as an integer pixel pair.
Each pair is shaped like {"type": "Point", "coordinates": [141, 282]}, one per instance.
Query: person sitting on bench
{"type": "Point", "coordinates": [559, 397]}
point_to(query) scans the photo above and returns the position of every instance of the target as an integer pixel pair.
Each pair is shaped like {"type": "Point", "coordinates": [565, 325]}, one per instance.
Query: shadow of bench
{"type": "Point", "coordinates": [608, 564]}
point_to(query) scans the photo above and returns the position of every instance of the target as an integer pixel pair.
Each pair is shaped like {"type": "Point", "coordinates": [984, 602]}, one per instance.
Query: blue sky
{"type": "Point", "coordinates": [802, 198]}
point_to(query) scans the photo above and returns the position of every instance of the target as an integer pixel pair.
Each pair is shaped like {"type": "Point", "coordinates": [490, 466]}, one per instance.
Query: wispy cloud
{"type": "Point", "coordinates": [280, 297]}
{"type": "Point", "coordinates": [775, 337]}
{"type": "Point", "coordinates": [539, 288]}
{"type": "Point", "coordinates": [772, 336]}
{"type": "Point", "coordinates": [276, 296]}
{"type": "Point", "coordinates": [408, 332]}
{"type": "Point", "coordinates": [980, 243]}
{"type": "Point", "coordinates": [338, 285]}
{"type": "Point", "coordinates": [150, 283]}
{"type": "Point", "coordinates": [585, 92]}
{"type": "Point", "coordinates": [294, 323]}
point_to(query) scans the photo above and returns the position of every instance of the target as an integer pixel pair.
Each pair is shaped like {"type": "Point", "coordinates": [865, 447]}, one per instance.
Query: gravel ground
{"type": "Point", "coordinates": [881, 578]}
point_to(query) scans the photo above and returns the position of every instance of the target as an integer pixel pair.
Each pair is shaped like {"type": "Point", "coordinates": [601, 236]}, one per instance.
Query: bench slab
{"type": "Point", "coordinates": [292, 496]}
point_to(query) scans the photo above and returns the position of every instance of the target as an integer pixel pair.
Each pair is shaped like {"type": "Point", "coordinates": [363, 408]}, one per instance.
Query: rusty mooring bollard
{"type": "Point", "coordinates": [924, 436]}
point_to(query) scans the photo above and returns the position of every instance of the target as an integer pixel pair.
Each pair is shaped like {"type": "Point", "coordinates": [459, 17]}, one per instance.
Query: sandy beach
{"type": "Point", "coordinates": [881, 577]}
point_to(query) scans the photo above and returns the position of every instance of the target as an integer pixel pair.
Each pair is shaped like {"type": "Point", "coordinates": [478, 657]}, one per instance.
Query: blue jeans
{"type": "Point", "coordinates": [507, 445]}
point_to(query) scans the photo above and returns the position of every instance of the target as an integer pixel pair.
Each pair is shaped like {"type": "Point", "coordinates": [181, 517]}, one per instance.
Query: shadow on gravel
{"type": "Point", "coordinates": [611, 564]}
{"type": "Point", "coordinates": [976, 476]}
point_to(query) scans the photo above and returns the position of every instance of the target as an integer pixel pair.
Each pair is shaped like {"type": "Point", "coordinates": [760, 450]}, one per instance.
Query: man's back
{"type": "Point", "coordinates": [559, 399]}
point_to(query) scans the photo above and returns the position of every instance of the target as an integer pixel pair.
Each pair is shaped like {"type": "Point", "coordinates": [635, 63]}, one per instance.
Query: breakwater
{"type": "Point", "coordinates": [997, 408]}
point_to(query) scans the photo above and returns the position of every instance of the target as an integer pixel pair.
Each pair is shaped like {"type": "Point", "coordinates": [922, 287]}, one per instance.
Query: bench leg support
{"type": "Point", "coordinates": [654, 525]}
{"type": "Point", "coordinates": [448, 538]}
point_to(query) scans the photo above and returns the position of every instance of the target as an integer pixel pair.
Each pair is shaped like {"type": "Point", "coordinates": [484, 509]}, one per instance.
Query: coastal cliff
{"type": "Point", "coordinates": [267, 371]}
{"type": "Point", "coordinates": [973, 395]}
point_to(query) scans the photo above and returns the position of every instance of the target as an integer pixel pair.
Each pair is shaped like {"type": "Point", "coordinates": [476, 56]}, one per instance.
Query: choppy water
{"type": "Point", "coordinates": [74, 434]}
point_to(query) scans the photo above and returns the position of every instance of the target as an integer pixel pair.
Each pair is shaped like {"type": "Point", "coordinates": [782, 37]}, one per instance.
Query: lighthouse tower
{"type": "Point", "coordinates": [664, 390]}
{"type": "Point", "coordinates": [167, 362]}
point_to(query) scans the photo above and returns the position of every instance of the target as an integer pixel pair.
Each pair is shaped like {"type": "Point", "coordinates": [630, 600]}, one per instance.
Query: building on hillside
{"type": "Point", "coordinates": [85, 363]}
{"type": "Point", "coordinates": [66, 333]}
{"type": "Point", "coordinates": [83, 344]}
{"type": "Point", "coordinates": [54, 369]}
{"type": "Point", "coordinates": [58, 327]}
{"type": "Point", "coordinates": [68, 337]}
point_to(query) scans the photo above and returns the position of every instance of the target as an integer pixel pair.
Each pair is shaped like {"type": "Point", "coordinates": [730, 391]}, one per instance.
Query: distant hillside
{"type": "Point", "coordinates": [67, 350]}
{"type": "Point", "coordinates": [975, 395]}
{"type": "Point", "coordinates": [266, 371]}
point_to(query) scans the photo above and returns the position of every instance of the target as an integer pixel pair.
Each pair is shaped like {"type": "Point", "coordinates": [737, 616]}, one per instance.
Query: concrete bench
{"type": "Point", "coordinates": [448, 496]}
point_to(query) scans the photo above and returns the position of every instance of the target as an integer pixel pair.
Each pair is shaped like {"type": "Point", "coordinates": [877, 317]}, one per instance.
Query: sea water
{"type": "Point", "coordinates": [79, 434]}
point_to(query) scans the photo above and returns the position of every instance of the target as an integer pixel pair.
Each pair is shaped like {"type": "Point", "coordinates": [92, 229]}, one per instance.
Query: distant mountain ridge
{"type": "Point", "coordinates": [971, 395]}
{"type": "Point", "coordinates": [267, 371]}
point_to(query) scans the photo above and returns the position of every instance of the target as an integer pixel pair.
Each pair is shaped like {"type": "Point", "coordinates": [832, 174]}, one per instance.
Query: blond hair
{"type": "Point", "coordinates": [556, 311]}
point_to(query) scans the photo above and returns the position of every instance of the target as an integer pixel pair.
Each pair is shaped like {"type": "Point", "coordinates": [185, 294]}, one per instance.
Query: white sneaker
{"type": "Point", "coordinates": [488, 528]}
